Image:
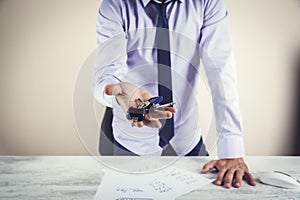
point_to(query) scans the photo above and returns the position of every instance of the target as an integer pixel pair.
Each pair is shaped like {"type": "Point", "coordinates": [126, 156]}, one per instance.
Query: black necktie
{"type": "Point", "coordinates": [164, 70]}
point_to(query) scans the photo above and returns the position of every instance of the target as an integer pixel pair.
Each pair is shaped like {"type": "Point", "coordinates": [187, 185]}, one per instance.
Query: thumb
{"type": "Point", "coordinates": [113, 89]}
{"type": "Point", "coordinates": [208, 166]}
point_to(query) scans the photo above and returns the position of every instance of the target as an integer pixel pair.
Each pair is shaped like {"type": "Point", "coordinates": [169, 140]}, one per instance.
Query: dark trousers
{"type": "Point", "coordinates": [109, 146]}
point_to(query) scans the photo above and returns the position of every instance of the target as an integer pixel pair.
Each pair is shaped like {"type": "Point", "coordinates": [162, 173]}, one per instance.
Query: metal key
{"type": "Point", "coordinates": [164, 105]}
{"type": "Point", "coordinates": [142, 104]}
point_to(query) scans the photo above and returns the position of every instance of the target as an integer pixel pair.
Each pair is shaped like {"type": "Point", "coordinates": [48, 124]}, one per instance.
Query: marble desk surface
{"type": "Point", "coordinates": [78, 177]}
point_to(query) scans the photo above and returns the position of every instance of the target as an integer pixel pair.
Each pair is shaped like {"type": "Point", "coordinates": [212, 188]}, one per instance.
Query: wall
{"type": "Point", "coordinates": [44, 43]}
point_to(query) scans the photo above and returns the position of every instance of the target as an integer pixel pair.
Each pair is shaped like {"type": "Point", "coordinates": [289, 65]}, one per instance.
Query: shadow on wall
{"type": "Point", "coordinates": [295, 151]}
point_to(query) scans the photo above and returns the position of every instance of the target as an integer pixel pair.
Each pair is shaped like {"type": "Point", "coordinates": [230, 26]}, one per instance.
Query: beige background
{"type": "Point", "coordinates": [43, 44]}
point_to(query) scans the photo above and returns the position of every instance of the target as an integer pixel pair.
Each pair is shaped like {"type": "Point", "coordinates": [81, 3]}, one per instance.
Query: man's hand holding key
{"type": "Point", "coordinates": [130, 96]}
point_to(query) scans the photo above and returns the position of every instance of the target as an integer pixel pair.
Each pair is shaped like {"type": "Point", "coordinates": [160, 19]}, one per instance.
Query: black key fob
{"type": "Point", "coordinates": [136, 114]}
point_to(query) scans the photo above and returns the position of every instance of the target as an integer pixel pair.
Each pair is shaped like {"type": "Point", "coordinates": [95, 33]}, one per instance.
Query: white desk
{"type": "Point", "coordinates": [79, 177]}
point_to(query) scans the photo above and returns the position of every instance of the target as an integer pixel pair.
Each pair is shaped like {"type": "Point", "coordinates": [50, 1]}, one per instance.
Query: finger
{"type": "Point", "coordinates": [139, 124]}
{"type": "Point", "coordinates": [249, 178]}
{"type": "Point", "coordinates": [157, 114]}
{"type": "Point", "coordinates": [153, 123]}
{"type": "Point", "coordinates": [228, 178]}
{"type": "Point", "coordinates": [208, 166]}
{"type": "Point", "coordinates": [238, 178]}
{"type": "Point", "coordinates": [113, 89]}
{"type": "Point", "coordinates": [220, 176]}
{"type": "Point", "coordinates": [170, 109]}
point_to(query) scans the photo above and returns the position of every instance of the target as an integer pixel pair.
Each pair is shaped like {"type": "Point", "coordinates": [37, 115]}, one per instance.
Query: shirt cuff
{"type": "Point", "coordinates": [100, 95]}
{"type": "Point", "coordinates": [231, 147]}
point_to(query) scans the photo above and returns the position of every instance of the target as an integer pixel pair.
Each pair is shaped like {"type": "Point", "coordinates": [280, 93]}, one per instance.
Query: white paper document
{"type": "Point", "coordinates": [165, 184]}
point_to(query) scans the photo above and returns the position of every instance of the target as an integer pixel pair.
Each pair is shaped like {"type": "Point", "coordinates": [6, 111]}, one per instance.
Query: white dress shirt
{"type": "Point", "coordinates": [199, 29]}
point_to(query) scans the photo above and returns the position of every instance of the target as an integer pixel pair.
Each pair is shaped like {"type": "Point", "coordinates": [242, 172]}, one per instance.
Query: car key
{"type": "Point", "coordinates": [144, 107]}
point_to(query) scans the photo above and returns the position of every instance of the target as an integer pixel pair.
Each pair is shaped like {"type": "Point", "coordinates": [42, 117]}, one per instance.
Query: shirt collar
{"type": "Point", "coordinates": [146, 2]}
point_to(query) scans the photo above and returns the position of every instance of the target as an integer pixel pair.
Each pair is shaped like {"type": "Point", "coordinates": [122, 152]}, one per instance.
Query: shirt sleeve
{"type": "Point", "coordinates": [111, 54]}
{"type": "Point", "coordinates": [217, 58]}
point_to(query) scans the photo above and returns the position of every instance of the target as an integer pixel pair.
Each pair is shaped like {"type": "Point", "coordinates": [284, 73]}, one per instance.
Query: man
{"type": "Point", "coordinates": [171, 69]}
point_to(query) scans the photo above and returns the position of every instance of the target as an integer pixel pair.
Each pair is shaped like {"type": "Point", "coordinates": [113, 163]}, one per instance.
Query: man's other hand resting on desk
{"type": "Point", "coordinates": [230, 172]}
